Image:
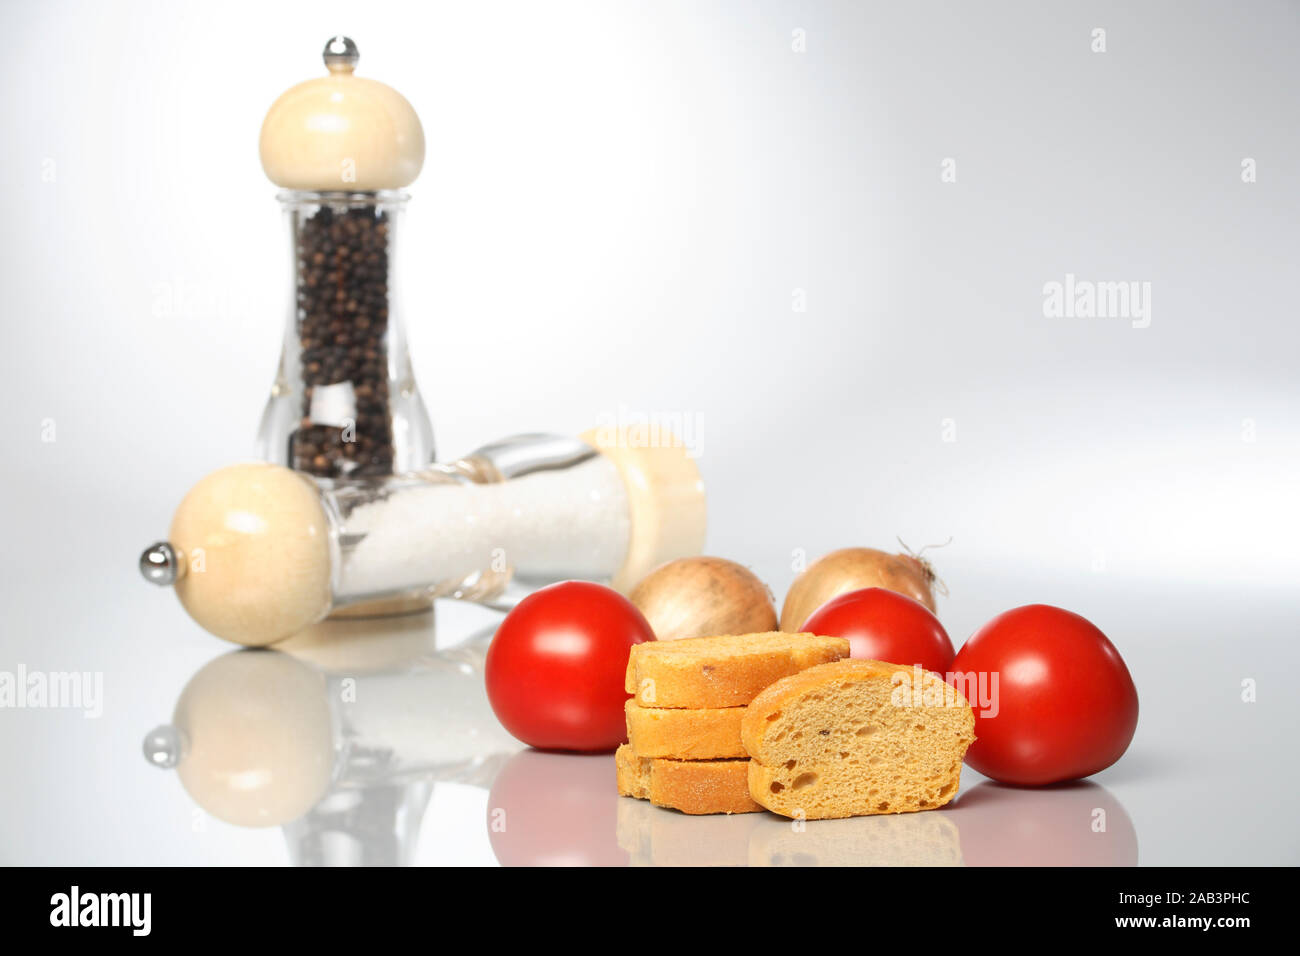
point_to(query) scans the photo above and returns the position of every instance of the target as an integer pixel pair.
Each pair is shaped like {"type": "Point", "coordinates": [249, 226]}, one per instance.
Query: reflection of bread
{"type": "Point", "coordinates": [909, 839]}
{"type": "Point", "coordinates": [692, 786]}
{"type": "Point", "coordinates": [722, 671]}
{"type": "Point", "coordinates": [655, 837]}
{"type": "Point", "coordinates": [856, 737]}
{"type": "Point", "coordinates": [683, 733]}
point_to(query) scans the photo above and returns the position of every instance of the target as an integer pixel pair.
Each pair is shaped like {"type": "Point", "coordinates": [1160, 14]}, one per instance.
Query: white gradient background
{"type": "Point", "coordinates": [618, 203]}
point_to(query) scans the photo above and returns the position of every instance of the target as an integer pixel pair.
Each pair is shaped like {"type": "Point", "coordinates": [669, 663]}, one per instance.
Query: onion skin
{"type": "Point", "coordinates": [703, 597]}
{"type": "Point", "coordinates": [852, 569]}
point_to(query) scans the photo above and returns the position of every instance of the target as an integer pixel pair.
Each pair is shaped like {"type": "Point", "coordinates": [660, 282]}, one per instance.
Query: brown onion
{"type": "Point", "coordinates": [851, 569]}
{"type": "Point", "coordinates": [702, 597]}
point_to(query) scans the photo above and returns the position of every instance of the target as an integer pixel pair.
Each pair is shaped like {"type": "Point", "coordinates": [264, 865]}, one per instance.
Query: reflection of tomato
{"type": "Point", "coordinates": [556, 666]}
{"type": "Point", "coordinates": [1063, 706]}
{"type": "Point", "coordinates": [885, 626]}
{"type": "Point", "coordinates": [556, 810]}
{"type": "Point", "coordinates": [1071, 824]}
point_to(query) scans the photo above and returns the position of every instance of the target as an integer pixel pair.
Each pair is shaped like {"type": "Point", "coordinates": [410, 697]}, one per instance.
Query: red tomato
{"type": "Point", "coordinates": [883, 625]}
{"type": "Point", "coordinates": [1063, 705]}
{"type": "Point", "coordinates": [555, 668]}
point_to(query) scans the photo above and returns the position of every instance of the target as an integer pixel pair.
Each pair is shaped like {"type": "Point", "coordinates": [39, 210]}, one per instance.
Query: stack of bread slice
{"type": "Point", "coordinates": [684, 748]}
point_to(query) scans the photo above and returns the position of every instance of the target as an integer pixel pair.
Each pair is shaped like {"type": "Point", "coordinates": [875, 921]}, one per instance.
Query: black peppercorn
{"type": "Point", "coordinates": [342, 321]}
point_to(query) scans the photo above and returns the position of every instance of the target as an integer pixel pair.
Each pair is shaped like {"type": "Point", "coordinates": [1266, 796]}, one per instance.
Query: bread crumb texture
{"type": "Point", "coordinates": [856, 737]}
{"type": "Point", "coordinates": [725, 671]}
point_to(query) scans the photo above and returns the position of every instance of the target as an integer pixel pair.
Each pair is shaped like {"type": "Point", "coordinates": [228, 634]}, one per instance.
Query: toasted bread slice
{"type": "Point", "coordinates": [856, 737]}
{"type": "Point", "coordinates": [683, 733]}
{"type": "Point", "coordinates": [723, 671]}
{"type": "Point", "coordinates": [633, 773]}
{"type": "Point", "coordinates": [691, 786]}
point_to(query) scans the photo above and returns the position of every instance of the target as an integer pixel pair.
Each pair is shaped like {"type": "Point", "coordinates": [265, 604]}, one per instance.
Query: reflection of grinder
{"type": "Point", "coordinates": [340, 742]}
{"type": "Point", "coordinates": [257, 552]}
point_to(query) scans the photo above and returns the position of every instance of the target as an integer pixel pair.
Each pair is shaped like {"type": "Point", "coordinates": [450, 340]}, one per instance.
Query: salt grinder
{"type": "Point", "coordinates": [344, 403]}
{"type": "Point", "coordinates": [258, 552]}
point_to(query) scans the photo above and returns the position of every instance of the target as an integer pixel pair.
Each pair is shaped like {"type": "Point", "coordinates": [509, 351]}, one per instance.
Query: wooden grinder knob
{"type": "Point", "coordinates": [251, 554]}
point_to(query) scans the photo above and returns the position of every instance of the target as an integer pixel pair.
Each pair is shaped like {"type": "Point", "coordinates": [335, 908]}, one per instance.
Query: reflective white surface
{"type": "Point", "coordinates": [373, 742]}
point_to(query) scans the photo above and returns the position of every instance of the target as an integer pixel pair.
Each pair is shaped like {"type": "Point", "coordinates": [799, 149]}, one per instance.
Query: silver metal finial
{"type": "Point", "coordinates": [158, 564]}
{"type": "Point", "coordinates": [164, 746]}
{"type": "Point", "coordinates": [341, 54]}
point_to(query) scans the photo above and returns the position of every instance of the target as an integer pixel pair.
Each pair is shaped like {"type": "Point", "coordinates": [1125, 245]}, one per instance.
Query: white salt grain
{"type": "Point", "coordinates": [570, 523]}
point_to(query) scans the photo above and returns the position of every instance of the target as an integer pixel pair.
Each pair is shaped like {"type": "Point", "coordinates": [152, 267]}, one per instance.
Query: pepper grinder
{"type": "Point", "coordinates": [344, 403]}
{"type": "Point", "coordinates": [258, 552]}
